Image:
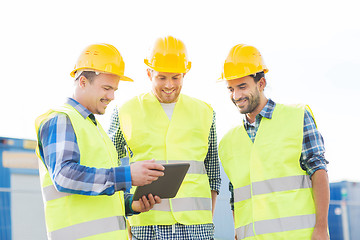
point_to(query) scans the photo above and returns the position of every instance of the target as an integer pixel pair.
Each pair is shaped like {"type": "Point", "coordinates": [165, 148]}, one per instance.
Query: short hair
{"type": "Point", "coordinates": [257, 76]}
{"type": "Point", "coordinates": [90, 75]}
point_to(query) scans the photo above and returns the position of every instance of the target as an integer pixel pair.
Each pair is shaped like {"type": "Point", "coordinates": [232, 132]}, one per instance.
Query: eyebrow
{"type": "Point", "coordinates": [240, 85]}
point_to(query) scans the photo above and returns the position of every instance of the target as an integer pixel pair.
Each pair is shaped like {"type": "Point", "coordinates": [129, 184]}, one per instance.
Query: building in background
{"type": "Point", "coordinates": [21, 205]}
{"type": "Point", "coordinates": [344, 211]}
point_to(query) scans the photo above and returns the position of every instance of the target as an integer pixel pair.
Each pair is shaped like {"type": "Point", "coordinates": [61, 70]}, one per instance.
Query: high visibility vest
{"type": "Point", "coordinates": [272, 195]}
{"type": "Point", "coordinates": [151, 135]}
{"type": "Point", "coordinates": [73, 216]}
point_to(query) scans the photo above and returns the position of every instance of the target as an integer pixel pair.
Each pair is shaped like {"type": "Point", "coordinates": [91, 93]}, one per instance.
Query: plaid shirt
{"type": "Point", "coordinates": [60, 153]}
{"type": "Point", "coordinates": [312, 154]}
{"type": "Point", "coordinates": [177, 231]}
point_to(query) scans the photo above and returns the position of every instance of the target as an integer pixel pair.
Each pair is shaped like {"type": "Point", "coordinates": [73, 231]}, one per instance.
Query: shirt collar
{"type": "Point", "coordinates": [80, 108]}
{"type": "Point", "coordinates": [266, 112]}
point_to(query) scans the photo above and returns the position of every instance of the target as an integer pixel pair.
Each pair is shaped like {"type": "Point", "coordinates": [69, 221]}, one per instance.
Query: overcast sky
{"type": "Point", "coordinates": [310, 47]}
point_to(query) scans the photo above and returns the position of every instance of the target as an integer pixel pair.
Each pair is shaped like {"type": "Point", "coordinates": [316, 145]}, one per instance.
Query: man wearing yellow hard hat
{"type": "Point", "coordinates": [82, 184]}
{"type": "Point", "coordinates": [274, 160]}
{"type": "Point", "coordinates": [172, 127]}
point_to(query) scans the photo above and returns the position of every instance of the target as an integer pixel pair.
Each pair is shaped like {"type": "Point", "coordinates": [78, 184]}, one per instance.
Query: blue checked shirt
{"type": "Point", "coordinates": [312, 154]}
{"type": "Point", "coordinates": [177, 231]}
{"type": "Point", "coordinates": [61, 155]}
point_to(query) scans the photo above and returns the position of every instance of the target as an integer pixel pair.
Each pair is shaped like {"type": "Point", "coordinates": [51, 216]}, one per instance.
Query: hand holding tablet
{"type": "Point", "coordinates": [143, 173]}
{"type": "Point", "coordinates": [145, 203]}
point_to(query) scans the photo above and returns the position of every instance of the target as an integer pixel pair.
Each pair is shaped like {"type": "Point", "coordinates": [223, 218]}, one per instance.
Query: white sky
{"type": "Point", "coordinates": [310, 47]}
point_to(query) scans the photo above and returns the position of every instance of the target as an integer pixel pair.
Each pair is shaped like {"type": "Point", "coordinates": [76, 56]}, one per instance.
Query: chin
{"type": "Point", "coordinates": [242, 111]}
{"type": "Point", "coordinates": [167, 100]}
{"type": "Point", "coordinates": [101, 112]}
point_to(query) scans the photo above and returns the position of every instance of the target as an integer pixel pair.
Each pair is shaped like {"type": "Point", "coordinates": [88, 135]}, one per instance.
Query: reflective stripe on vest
{"type": "Point", "coordinates": [90, 228]}
{"type": "Point", "coordinates": [272, 185]}
{"type": "Point", "coordinates": [184, 204]}
{"type": "Point", "coordinates": [196, 167]}
{"type": "Point", "coordinates": [276, 225]}
{"type": "Point", "coordinates": [50, 193]}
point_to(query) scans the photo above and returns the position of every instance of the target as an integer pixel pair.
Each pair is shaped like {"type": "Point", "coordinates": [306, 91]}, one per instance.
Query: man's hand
{"type": "Point", "coordinates": [145, 172]}
{"type": "Point", "coordinates": [320, 234]}
{"type": "Point", "coordinates": [145, 204]}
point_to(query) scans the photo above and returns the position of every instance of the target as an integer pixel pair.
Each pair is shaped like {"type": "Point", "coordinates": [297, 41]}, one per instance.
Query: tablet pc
{"type": "Point", "coordinates": [166, 186]}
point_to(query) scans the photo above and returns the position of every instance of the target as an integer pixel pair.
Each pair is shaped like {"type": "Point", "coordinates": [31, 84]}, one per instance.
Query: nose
{"type": "Point", "coordinates": [111, 95]}
{"type": "Point", "coordinates": [168, 84]}
{"type": "Point", "coordinates": [236, 94]}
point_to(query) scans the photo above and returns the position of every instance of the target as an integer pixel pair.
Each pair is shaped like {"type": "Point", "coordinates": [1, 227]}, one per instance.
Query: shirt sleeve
{"type": "Point", "coordinates": [231, 189]}
{"type": "Point", "coordinates": [211, 161]}
{"type": "Point", "coordinates": [313, 150]}
{"type": "Point", "coordinates": [61, 155]}
{"type": "Point", "coordinates": [128, 202]}
{"type": "Point", "coordinates": [116, 135]}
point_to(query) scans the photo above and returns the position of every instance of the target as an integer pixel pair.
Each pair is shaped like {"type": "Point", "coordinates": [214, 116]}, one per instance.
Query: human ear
{"type": "Point", "coordinates": [149, 73]}
{"type": "Point", "coordinates": [262, 84]}
{"type": "Point", "coordinates": [82, 81]}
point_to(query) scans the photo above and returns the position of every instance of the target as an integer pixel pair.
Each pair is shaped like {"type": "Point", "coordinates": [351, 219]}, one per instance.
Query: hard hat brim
{"type": "Point", "coordinates": [122, 78]}
{"type": "Point", "coordinates": [127, 79]}
{"type": "Point", "coordinates": [222, 79]}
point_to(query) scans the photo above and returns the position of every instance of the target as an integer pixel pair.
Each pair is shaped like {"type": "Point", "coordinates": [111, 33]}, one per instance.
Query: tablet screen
{"type": "Point", "coordinates": [166, 186]}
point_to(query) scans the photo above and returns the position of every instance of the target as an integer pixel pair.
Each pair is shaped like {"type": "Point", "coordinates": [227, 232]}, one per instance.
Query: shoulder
{"type": "Point", "coordinates": [302, 108]}
{"type": "Point", "coordinates": [56, 118]}
{"type": "Point", "coordinates": [196, 101]}
{"type": "Point", "coordinates": [55, 122]}
{"type": "Point", "coordinates": [233, 131]}
{"type": "Point", "coordinates": [291, 107]}
{"type": "Point", "coordinates": [134, 100]}
{"type": "Point", "coordinates": [294, 110]}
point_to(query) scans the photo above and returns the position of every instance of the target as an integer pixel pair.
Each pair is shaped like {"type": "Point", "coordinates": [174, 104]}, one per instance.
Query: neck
{"type": "Point", "coordinates": [252, 116]}
{"type": "Point", "coordinates": [78, 97]}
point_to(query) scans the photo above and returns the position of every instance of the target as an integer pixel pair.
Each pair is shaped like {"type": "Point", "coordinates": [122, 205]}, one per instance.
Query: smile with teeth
{"type": "Point", "coordinates": [106, 102]}
{"type": "Point", "coordinates": [241, 102]}
{"type": "Point", "coordinates": [168, 91]}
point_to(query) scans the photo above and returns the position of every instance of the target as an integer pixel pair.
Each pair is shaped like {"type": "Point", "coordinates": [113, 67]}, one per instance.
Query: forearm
{"type": "Point", "coordinates": [234, 224]}
{"type": "Point", "coordinates": [78, 179]}
{"type": "Point", "coordinates": [213, 200]}
{"type": "Point", "coordinates": [321, 191]}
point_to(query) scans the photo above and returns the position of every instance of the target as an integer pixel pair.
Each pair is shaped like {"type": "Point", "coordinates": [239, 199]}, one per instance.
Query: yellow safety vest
{"type": "Point", "coordinates": [151, 135]}
{"type": "Point", "coordinates": [73, 216]}
{"type": "Point", "coordinates": [272, 194]}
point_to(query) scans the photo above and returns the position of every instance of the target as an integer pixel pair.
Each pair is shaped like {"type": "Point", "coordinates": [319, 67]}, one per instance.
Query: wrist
{"type": "Point", "coordinates": [132, 211]}
{"type": "Point", "coordinates": [321, 226]}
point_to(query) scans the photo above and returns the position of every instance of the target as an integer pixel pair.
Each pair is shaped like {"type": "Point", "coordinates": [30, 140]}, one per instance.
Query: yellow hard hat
{"type": "Point", "coordinates": [242, 60]}
{"type": "Point", "coordinates": [168, 55]}
{"type": "Point", "coordinates": [103, 58]}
